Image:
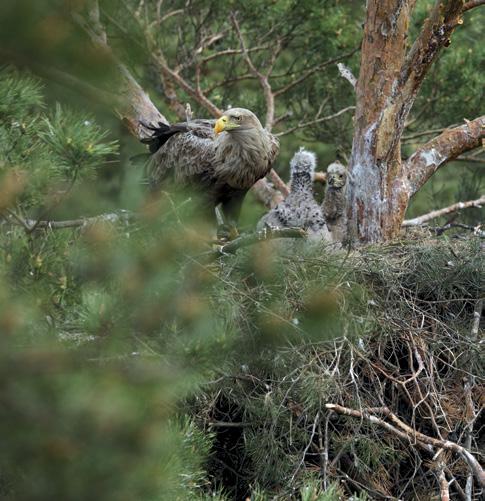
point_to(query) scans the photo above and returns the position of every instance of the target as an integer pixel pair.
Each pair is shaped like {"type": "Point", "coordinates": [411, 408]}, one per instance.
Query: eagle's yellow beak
{"type": "Point", "coordinates": [221, 124]}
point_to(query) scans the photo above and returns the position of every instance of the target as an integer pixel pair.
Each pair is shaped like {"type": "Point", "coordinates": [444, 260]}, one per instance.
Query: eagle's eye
{"type": "Point", "coordinates": [238, 118]}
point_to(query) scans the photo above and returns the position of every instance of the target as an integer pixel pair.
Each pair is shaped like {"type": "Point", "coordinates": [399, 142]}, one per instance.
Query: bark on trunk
{"type": "Point", "coordinates": [377, 199]}
{"type": "Point", "coordinates": [381, 184]}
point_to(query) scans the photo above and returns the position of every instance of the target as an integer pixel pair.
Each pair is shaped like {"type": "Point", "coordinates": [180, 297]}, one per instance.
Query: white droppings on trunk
{"type": "Point", "coordinates": [432, 157]}
{"type": "Point", "coordinates": [365, 181]}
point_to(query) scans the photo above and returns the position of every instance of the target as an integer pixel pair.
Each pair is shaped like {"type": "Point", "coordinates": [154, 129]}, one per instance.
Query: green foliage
{"type": "Point", "coordinates": [43, 153]}
{"type": "Point", "coordinates": [75, 142]}
{"type": "Point", "coordinates": [86, 406]}
{"type": "Point", "coordinates": [20, 95]}
{"type": "Point", "coordinates": [107, 328]}
{"type": "Point", "coordinates": [277, 400]}
{"type": "Point", "coordinates": [121, 347]}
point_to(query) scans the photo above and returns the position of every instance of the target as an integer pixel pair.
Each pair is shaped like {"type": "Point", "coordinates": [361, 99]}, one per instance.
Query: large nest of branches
{"type": "Point", "coordinates": [389, 409]}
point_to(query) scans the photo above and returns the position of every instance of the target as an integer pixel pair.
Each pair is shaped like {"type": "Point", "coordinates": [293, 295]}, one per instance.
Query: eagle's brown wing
{"type": "Point", "coordinates": [274, 149]}
{"type": "Point", "coordinates": [184, 151]}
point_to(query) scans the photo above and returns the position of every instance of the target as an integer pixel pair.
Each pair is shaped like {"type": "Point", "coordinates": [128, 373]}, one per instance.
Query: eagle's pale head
{"type": "Point", "coordinates": [237, 120]}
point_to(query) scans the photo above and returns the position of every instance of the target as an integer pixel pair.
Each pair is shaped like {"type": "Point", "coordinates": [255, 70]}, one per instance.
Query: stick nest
{"type": "Point", "coordinates": [391, 407]}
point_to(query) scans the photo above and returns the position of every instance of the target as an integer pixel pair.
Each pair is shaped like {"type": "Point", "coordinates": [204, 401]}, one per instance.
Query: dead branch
{"type": "Point", "coordinates": [418, 221]}
{"type": "Point", "coordinates": [477, 315]}
{"type": "Point", "coordinates": [266, 194]}
{"type": "Point", "coordinates": [429, 132]}
{"type": "Point", "coordinates": [262, 77]}
{"type": "Point", "coordinates": [302, 125]}
{"type": "Point", "coordinates": [444, 486]}
{"type": "Point", "coordinates": [231, 52]}
{"type": "Point", "coordinates": [447, 146]}
{"type": "Point", "coordinates": [439, 230]}
{"type": "Point", "coordinates": [228, 424]}
{"type": "Point", "coordinates": [194, 92]}
{"type": "Point", "coordinates": [279, 184]}
{"type": "Point", "coordinates": [308, 73]}
{"type": "Point", "coordinates": [229, 81]}
{"type": "Point", "coordinates": [346, 73]}
{"type": "Point", "coordinates": [413, 436]}
{"type": "Point", "coordinates": [470, 408]}
{"type": "Point", "coordinates": [375, 420]}
{"type": "Point", "coordinates": [470, 159]}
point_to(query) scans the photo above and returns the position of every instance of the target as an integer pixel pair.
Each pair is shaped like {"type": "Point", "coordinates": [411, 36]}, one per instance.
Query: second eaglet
{"type": "Point", "coordinates": [221, 159]}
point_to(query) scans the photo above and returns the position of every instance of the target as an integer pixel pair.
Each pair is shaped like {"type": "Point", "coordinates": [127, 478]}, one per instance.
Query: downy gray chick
{"type": "Point", "coordinates": [333, 206]}
{"type": "Point", "coordinates": [299, 209]}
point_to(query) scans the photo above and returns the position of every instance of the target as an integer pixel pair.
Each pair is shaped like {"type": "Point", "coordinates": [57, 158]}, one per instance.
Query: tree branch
{"type": "Point", "coordinates": [447, 146]}
{"type": "Point", "coordinates": [253, 238]}
{"type": "Point", "coordinates": [314, 122]}
{"type": "Point", "coordinates": [134, 105]}
{"type": "Point", "coordinates": [435, 35]}
{"type": "Point", "coordinates": [263, 78]}
{"type": "Point", "coordinates": [439, 230]}
{"type": "Point", "coordinates": [413, 436]}
{"type": "Point", "coordinates": [230, 52]}
{"type": "Point", "coordinates": [267, 195]}
{"type": "Point", "coordinates": [31, 224]}
{"type": "Point", "coordinates": [279, 184]}
{"type": "Point", "coordinates": [346, 73]}
{"type": "Point", "coordinates": [312, 71]}
{"type": "Point", "coordinates": [368, 414]}
{"type": "Point", "coordinates": [418, 221]}
{"type": "Point", "coordinates": [470, 159]}
{"type": "Point", "coordinates": [472, 4]}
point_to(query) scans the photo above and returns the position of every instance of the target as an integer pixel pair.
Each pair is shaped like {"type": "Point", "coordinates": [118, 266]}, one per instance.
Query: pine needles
{"type": "Point", "coordinates": [405, 346]}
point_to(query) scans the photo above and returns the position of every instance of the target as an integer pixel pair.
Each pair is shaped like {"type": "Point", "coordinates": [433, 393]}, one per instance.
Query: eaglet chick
{"type": "Point", "coordinates": [299, 209]}
{"type": "Point", "coordinates": [334, 203]}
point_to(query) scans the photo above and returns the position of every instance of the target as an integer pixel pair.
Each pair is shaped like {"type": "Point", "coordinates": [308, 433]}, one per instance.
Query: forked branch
{"type": "Point", "coordinates": [401, 429]}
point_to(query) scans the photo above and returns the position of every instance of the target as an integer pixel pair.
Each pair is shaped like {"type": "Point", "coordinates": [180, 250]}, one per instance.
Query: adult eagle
{"type": "Point", "coordinates": [221, 159]}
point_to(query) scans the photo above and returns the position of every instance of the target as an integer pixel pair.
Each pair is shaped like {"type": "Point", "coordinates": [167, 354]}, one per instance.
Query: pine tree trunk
{"type": "Point", "coordinates": [380, 183]}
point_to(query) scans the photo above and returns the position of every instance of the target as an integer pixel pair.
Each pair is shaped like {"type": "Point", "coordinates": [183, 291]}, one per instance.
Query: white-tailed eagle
{"type": "Point", "coordinates": [221, 159]}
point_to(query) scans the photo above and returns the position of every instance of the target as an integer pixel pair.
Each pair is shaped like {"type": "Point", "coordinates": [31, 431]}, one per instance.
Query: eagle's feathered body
{"type": "Point", "coordinates": [299, 209]}
{"type": "Point", "coordinates": [224, 166]}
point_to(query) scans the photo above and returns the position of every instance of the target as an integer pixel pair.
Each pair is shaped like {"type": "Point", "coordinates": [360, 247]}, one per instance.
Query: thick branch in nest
{"type": "Point", "coordinates": [260, 236]}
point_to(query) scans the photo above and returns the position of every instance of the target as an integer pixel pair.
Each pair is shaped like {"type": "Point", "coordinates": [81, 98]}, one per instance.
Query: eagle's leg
{"type": "Point", "coordinates": [231, 209]}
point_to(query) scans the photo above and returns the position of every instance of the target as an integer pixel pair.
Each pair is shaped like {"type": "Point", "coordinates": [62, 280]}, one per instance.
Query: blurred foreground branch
{"type": "Point", "coordinates": [30, 225]}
